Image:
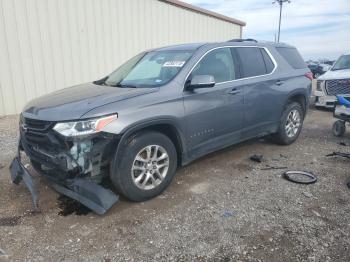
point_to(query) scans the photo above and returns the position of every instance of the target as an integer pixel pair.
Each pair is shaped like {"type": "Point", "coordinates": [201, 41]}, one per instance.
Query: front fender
{"type": "Point", "coordinates": [133, 128]}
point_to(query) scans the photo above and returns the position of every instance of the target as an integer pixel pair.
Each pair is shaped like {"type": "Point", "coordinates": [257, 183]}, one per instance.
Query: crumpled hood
{"type": "Point", "coordinates": [337, 74]}
{"type": "Point", "coordinates": [73, 102]}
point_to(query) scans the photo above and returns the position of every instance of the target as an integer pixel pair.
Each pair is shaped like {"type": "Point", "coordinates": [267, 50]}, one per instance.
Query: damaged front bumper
{"type": "Point", "coordinates": [87, 192]}
{"type": "Point", "coordinates": [73, 167]}
{"type": "Point", "coordinates": [18, 173]}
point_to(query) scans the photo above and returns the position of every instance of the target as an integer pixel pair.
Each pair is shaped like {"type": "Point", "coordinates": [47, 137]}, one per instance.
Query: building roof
{"type": "Point", "coordinates": [204, 11]}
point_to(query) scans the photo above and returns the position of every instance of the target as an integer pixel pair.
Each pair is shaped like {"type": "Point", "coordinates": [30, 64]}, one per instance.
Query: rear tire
{"type": "Point", "coordinates": [291, 124]}
{"type": "Point", "coordinates": [147, 166]}
{"type": "Point", "coordinates": [338, 128]}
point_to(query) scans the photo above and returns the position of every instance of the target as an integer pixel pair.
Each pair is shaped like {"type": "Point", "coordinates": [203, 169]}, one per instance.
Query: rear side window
{"type": "Point", "coordinates": [292, 56]}
{"type": "Point", "coordinates": [252, 61]}
{"type": "Point", "coordinates": [268, 62]}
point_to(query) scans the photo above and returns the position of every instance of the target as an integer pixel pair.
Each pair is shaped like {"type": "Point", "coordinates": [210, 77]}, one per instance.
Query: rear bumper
{"type": "Point", "coordinates": [87, 192]}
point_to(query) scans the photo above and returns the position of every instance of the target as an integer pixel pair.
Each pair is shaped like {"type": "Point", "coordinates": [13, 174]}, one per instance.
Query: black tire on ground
{"type": "Point", "coordinates": [122, 177]}
{"type": "Point", "coordinates": [281, 137]}
{"type": "Point", "coordinates": [338, 128]}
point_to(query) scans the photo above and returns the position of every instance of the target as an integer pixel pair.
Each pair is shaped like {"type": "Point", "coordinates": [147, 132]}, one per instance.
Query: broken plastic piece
{"type": "Point", "coordinates": [257, 158]}
{"type": "Point", "coordinates": [273, 167]}
{"type": "Point", "coordinates": [229, 214]}
{"type": "Point", "coordinates": [90, 194]}
{"type": "Point", "coordinates": [346, 155]}
{"type": "Point", "coordinates": [18, 173]}
{"type": "Point", "coordinates": [3, 254]}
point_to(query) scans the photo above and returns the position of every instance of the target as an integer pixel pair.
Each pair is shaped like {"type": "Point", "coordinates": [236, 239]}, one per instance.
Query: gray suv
{"type": "Point", "coordinates": [161, 109]}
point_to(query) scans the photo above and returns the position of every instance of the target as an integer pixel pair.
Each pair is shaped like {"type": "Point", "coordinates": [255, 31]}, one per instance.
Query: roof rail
{"type": "Point", "coordinates": [242, 40]}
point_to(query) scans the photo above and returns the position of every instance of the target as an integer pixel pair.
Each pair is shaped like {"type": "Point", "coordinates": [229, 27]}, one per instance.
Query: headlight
{"type": "Point", "coordinates": [84, 127]}
{"type": "Point", "coordinates": [319, 84]}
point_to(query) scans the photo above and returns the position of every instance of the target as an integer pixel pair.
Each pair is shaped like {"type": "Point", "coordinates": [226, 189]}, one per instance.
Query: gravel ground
{"type": "Point", "coordinates": [220, 207]}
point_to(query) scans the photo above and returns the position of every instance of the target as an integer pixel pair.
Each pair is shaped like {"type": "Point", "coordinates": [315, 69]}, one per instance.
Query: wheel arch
{"type": "Point", "coordinates": [168, 127]}
{"type": "Point", "coordinates": [299, 97]}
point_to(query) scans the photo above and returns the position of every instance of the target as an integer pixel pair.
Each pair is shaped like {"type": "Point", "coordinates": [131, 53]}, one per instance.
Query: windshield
{"type": "Point", "coordinates": [151, 69]}
{"type": "Point", "coordinates": [342, 63]}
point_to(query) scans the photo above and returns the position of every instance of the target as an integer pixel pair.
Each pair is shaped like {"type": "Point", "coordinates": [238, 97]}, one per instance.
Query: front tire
{"type": "Point", "coordinates": [147, 166]}
{"type": "Point", "coordinates": [290, 124]}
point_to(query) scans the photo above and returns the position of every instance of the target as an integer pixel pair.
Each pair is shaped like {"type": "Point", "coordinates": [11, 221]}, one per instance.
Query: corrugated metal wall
{"type": "Point", "coordinates": [46, 45]}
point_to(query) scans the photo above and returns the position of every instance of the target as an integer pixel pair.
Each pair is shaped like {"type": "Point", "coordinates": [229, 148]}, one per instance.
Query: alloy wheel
{"type": "Point", "coordinates": [150, 167]}
{"type": "Point", "coordinates": [293, 123]}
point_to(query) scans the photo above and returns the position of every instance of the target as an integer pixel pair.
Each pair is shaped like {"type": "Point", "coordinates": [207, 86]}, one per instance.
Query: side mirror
{"type": "Point", "coordinates": [202, 81]}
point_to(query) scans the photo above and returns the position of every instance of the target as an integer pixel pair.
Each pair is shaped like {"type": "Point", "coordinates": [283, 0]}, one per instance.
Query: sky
{"type": "Point", "coordinates": [318, 28]}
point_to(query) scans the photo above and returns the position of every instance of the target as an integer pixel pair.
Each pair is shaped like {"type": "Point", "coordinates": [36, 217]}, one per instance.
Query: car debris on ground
{"type": "Point", "coordinates": [229, 214]}
{"type": "Point", "coordinates": [308, 194]}
{"type": "Point", "coordinates": [300, 177]}
{"type": "Point", "coordinates": [345, 155]}
{"type": "Point", "coordinates": [268, 167]}
{"type": "Point", "coordinates": [3, 254]}
{"type": "Point", "coordinates": [257, 158]}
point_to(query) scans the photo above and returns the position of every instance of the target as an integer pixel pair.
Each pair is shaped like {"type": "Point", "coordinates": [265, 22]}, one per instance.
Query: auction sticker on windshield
{"type": "Point", "coordinates": [174, 63]}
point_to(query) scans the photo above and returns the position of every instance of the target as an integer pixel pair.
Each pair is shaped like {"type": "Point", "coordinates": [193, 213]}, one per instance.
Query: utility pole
{"type": "Point", "coordinates": [280, 2]}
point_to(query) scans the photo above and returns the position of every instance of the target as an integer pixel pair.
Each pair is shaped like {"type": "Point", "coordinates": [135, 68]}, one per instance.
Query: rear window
{"type": "Point", "coordinates": [252, 61]}
{"type": "Point", "coordinates": [292, 56]}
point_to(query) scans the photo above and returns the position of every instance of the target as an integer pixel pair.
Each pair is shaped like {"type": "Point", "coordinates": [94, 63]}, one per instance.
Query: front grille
{"type": "Point", "coordinates": [37, 125]}
{"type": "Point", "coordinates": [36, 138]}
{"type": "Point", "coordinates": [338, 87]}
{"type": "Point", "coordinates": [36, 132]}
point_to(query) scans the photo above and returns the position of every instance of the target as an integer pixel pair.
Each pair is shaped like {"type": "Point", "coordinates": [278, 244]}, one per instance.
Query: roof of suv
{"type": "Point", "coordinates": [195, 46]}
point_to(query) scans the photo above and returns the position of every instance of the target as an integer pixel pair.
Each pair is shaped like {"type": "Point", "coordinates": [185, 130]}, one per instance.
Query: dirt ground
{"type": "Point", "coordinates": [221, 207]}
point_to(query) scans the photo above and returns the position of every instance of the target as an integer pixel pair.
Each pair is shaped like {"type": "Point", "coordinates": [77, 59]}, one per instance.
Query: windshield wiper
{"type": "Point", "coordinates": [126, 86]}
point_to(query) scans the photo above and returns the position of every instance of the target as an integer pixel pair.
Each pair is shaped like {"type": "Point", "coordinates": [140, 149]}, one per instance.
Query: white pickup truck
{"type": "Point", "coordinates": [334, 82]}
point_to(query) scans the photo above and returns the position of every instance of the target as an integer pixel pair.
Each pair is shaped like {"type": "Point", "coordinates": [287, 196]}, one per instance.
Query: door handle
{"type": "Point", "coordinates": [234, 91]}
{"type": "Point", "coordinates": [279, 82]}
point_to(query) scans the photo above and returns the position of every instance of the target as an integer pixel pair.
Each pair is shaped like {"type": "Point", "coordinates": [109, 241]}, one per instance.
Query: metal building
{"type": "Point", "coordinates": [46, 45]}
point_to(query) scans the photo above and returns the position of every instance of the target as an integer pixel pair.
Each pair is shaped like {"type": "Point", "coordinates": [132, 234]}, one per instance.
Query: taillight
{"type": "Point", "coordinates": [309, 75]}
